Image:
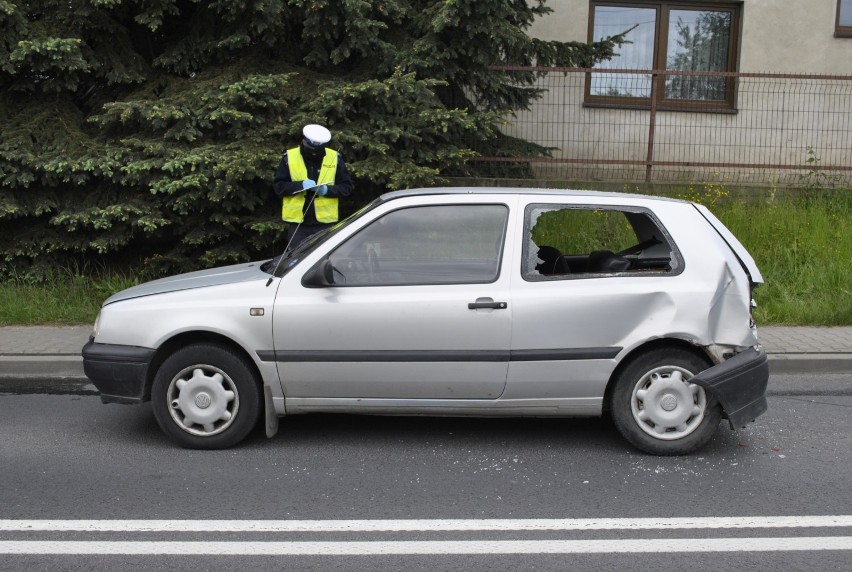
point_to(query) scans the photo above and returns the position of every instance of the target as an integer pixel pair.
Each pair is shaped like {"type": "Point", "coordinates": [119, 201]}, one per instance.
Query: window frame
{"type": "Point", "coordinates": [678, 263]}
{"type": "Point", "coordinates": [661, 37]}
{"type": "Point", "coordinates": [839, 30]}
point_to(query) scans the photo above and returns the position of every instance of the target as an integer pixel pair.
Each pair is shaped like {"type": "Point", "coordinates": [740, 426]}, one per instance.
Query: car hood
{"type": "Point", "coordinates": [200, 279]}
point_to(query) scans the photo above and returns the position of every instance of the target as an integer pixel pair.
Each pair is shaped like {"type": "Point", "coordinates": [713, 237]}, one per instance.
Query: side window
{"type": "Point", "coordinates": [578, 242]}
{"type": "Point", "coordinates": [442, 244]}
{"type": "Point", "coordinates": [843, 25]}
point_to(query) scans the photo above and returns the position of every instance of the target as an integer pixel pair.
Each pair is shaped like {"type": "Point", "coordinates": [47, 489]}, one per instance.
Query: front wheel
{"type": "Point", "coordinates": [206, 396]}
{"type": "Point", "coordinates": [658, 410]}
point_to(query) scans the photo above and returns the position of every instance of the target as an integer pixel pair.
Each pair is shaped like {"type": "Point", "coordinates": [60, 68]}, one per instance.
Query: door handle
{"type": "Point", "coordinates": [487, 303]}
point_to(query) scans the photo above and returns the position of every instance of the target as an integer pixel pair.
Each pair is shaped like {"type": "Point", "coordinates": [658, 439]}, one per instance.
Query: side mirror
{"type": "Point", "coordinates": [320, 276]}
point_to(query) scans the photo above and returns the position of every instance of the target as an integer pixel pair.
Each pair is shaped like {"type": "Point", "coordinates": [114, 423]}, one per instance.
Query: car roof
{"type": "Point", "coordinates": [520, 191]}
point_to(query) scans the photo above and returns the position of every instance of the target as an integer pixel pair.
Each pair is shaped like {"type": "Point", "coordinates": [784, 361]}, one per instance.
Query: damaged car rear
{"type": "Point", "coordinates": [481, 302]}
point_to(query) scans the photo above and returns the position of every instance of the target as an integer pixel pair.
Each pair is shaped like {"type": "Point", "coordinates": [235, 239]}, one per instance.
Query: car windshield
{"type": "Point", "coordinates": [281, 264]}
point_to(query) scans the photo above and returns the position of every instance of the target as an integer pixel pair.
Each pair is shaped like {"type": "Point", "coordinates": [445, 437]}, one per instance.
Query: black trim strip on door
{"type": "Point", "coordinates": [564, 354]}
{"type": "Point", "coordinates": [405, 356]}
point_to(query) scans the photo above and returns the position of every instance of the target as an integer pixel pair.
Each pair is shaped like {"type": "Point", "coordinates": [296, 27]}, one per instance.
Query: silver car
{"type": "Point", "coordinates": [481, 302]}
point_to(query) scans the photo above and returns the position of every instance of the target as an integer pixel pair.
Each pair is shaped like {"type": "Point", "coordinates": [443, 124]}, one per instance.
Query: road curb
{"type": "Point", "coordinates": [810, 363]}
{"type": "Point", "coordinates": [46, 366]}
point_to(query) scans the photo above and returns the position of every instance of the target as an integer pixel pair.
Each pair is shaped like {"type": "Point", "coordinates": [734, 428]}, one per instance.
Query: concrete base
{"type": "Point", "coordinates": [810, 363]}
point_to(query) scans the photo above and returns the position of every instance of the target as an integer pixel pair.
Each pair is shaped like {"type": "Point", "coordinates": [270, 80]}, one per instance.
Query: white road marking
{"type": "Point", "coordinates": [379, 547]}
{"type": "Point", "coordinates": [691, 545]}
{"type": "Point", "coordinates": [425, 525]}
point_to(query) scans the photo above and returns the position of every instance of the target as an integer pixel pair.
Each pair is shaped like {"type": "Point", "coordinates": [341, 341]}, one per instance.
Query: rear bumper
{"type": "Point", "coordinates": [739, 384]}
{"type": "Point", "coordinates": [119, 372]}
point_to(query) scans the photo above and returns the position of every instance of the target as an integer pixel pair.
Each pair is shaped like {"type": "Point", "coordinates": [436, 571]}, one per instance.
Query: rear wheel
{"type": "Point", "coordinates": [206, 396]}
{"type": "Point", "coordinates": [658, 410]}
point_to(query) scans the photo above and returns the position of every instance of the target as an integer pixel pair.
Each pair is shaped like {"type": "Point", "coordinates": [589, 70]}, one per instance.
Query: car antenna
{"type": "Point", "coordinates": [286, 248]}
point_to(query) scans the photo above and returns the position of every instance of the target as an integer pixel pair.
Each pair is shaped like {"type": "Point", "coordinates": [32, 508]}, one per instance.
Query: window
{"type": "Point", "coordinates": [442, 244]}
{"type": "Point", "coordinates": [679, 36]}
{"type": "Point", "coordinates": [843, 26]}
{"type": "Point", "coordinates": [570, 242]}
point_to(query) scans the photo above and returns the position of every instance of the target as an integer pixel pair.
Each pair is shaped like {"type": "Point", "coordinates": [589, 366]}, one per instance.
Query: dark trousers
{"type": "Point", "coordinates": [298, 233]}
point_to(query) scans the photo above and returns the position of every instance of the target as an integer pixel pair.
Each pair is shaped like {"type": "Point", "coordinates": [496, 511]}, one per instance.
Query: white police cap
{"type": "Point", "coordinates": [316, 135]}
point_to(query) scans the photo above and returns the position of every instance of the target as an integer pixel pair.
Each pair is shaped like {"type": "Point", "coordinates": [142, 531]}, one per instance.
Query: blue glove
{"type": "Point", "coordinates": [308, 183]}
{"type": "Point", "coordinates": [321, 191]}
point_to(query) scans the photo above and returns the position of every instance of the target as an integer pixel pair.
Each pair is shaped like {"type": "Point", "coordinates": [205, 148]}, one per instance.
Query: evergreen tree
{"type": "Point", "coordinates": [151, 128]}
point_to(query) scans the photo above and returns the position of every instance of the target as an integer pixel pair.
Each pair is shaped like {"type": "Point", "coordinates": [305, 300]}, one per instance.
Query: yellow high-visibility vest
{"type": "Point", "coordinates": [324, 207]}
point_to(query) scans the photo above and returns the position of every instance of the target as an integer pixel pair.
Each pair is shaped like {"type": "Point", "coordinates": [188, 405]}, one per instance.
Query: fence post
{"type": "Point", "coordinates": [652, 126]}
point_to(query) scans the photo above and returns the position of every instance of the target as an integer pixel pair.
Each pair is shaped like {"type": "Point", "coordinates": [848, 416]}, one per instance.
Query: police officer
{"type": "Point", "coordinates": [310, 181]}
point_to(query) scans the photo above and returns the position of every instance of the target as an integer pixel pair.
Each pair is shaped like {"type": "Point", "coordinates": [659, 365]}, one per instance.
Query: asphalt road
{"type": "Point", "coordinates": [77, 476]}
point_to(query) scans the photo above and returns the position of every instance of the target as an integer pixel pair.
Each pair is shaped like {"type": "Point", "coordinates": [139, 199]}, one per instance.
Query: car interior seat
{"type": "Point", "coordinates": [607, 261]}
{"type": "Point", "coordinates": [553, 263]}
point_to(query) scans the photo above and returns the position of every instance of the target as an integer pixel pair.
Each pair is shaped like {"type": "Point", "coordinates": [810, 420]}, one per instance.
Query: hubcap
{"type": "Point", "coordinates": [665, 405]}
{"type": "Point", "coordinates": [203, 400]}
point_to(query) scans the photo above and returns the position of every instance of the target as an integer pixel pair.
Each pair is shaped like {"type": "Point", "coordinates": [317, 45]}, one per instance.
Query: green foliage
{"type": "Point", "coordinates": [60, 296]}
{"type": "Point", "coordinates": [152, 128]}
{"type": "Point", "coordinates": [803, 247]}
{"type": "Point", "coordinates": [815, 179]}
{"type": "Point", "coordinates": [581, 231]}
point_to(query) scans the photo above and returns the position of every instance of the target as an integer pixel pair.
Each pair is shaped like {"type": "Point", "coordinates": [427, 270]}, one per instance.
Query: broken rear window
{"type": "Point", "coordinates": [587, 242]}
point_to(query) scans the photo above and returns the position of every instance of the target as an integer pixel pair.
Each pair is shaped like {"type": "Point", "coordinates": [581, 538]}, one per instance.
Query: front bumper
{"type": "Point", "coordinates": [119, 372]}
{"type": "Point", "coordinates": [739, 384]}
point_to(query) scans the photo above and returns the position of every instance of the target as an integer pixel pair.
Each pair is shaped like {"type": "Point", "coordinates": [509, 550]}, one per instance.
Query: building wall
{"type": "Point", "coordinates": [793, 36]}
{"type": "Point", "coordinates": [778, 36]}
{"type": "Point", "coordinates": [778, 121]}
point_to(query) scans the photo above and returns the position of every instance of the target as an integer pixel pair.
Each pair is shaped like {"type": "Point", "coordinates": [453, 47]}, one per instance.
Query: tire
{"type": "Point", "coordinates": [657, 410]}
{"type": "Point", "coordinates": [206, 396]}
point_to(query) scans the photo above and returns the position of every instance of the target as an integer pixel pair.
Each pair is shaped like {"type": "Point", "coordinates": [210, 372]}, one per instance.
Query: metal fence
{"type": "Point", "coordinates": [775, 129]}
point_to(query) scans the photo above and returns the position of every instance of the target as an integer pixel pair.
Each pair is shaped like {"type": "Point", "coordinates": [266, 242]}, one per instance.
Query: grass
{"type": "Point", "coordinates": [65, 298]}
{"type": "Point", "coordinates": [803, 247]}
{"type": "Point", "coordinates": [802, 244]}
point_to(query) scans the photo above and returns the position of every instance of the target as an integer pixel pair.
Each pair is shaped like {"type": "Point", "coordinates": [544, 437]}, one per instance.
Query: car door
{"type": "Point", "coordinates": [593, 280]}
{"type": "Point", "coordinates": [418, 309]}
